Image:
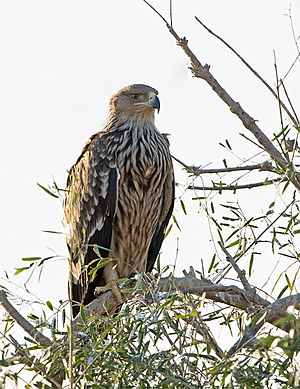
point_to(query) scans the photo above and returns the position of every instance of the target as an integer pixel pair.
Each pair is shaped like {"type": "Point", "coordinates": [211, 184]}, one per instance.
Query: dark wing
{"type": "Point", "coordinates": [166, 212]}
{"type": "Point", "coordinates": [90, 205]}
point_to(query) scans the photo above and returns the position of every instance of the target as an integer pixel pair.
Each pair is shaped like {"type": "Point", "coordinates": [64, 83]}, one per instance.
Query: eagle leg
{"type": "Point", "coordinates": [113, 286]}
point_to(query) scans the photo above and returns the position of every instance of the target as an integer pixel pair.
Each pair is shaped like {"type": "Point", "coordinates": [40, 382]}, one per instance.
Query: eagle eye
{"type": "Point", "coordinates": [134, 96]}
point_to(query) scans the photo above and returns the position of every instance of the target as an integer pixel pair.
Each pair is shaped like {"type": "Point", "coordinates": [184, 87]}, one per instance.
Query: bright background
{"type": "Point", "coordinates": [61, 60]}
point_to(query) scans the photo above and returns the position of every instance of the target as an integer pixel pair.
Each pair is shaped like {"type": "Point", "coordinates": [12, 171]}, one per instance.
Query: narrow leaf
{"type": "Point", "coordinates": [47, 191]}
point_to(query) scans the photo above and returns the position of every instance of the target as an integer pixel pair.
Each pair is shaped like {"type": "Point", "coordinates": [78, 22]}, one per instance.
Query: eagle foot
{"type": "Point", "coordinates": [113, 286]}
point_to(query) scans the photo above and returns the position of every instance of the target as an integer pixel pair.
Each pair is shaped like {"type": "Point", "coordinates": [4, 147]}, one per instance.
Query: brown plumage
{"type": "Point", "coordinates": [119, 195]}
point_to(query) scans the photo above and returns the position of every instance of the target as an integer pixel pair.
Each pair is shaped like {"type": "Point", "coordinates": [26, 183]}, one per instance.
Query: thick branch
{"type": "Point", "coordinates": [18, 318]}
{"type": "Point", "coordinates": [269, 314]}
{"type": "Point", "coordinates": [247, 300]}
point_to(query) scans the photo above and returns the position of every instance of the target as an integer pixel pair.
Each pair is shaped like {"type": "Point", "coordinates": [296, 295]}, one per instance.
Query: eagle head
{"type": "Point", "coordinates": [135, 101]}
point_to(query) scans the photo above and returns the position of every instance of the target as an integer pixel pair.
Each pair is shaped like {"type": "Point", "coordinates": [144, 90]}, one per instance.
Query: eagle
{"type": "Point", "coordinates": [119, 197]}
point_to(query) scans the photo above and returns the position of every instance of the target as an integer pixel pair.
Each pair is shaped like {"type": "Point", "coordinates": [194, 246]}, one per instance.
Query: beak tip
{"type": "Point", "coordinates": [155, 103]}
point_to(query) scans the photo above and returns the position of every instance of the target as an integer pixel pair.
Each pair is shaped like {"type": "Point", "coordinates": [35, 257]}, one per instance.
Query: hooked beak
{"type": "Point", "coordinates": [154, 102]}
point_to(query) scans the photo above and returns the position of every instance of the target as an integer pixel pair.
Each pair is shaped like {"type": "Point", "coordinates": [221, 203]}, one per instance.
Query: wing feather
{"type": "Point", "coordinates": [167, 209]}
{"type": "Point", "coordinates": [90, 206]}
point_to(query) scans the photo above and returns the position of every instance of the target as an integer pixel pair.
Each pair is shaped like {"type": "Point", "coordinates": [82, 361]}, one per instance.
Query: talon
{"type": "Point", "coordinates": [113, 286]}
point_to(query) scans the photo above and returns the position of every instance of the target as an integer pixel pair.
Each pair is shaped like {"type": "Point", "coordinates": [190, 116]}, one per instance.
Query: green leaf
{"type": "Point", "coordinates": [216, 223]}
{"type": "Point", "coordinates": [53, 326]}
{"type": "Point", "coordinates": [82, 312]}
{"type": "Point", "coordinates": [168, 231]}
{"type": "Point", "coordinates": [176, 223]}
{"type": "Point", "coordinates": [21, 269]}
{"type": "Point", "coordinates": [212, 264]}
{"type": "Point", "coordinates": [285, 186]}
{"type": "Point", "coordinates": [251, 264]}
{"type": "Point", "coordinates": [48, 191]}
{"type": "Point", "coordinates": [30, 259]}
{"type": "Point", "coordinates": [188, 315]}
{"type": "Point", "coordinates": [233, 243]}
{"type": "Point", "coordinates": [289, 284]}
{"type": "Point", "coordinates": [282, 292]}
{"type": "Point", "coordinates": [183, 206]}
{"type": "Point", "coordinates": [53, 232]}
{"type": "Point", "coordinates": [228, 144]}
{"type": "Point", "coordinates": [220, 237]}
{"type": "Point", "coordinates": [276, 282]}
{"type": "Point", "coordinates": [265, 342]}
{"type": "Point", "coordinates": [49, 305]}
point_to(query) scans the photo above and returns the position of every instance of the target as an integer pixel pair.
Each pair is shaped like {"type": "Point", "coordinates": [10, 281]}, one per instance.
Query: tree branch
{"type": "Point", "coordinates": [202, 328]}
{"type": "Point", "coordinates": [197, 171]}
{"type": "Point", "coordinates": [240, 273]}
{"type": "Point", "coordinates": [293, 119]}
{"type": "Point", "coordinates": [27, 360]}
{"type": "Point", "coordinates": [234, 187]}
{"type": "Point", "coordinates": [18, 318]}
{"type": "Point", "coordinates": [246, 300]}
{"type": "Point", "coordinates": [269, 314]}
{"type": "Point", "coordinates": [200, 71]}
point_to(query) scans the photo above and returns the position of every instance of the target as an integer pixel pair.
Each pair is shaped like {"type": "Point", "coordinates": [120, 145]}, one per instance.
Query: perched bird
{"type": "Point", "coordinates": [119, 196]}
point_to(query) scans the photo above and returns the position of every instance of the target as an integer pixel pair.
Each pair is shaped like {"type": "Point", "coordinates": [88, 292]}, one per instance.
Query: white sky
{"type": "Point", "coordinates": [61, 60]}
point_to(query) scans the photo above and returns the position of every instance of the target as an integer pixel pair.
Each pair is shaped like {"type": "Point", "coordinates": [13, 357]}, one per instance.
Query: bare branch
{"type": "Point", "coordinates": [293, 119]}
{"type": "Point", "coordinates": [171, 13]}
{"type": "Point", "coordinates": [197, 171]}
{"type": "Point", "coordinates": [240, 273]}
{"type": "Point", "coordinates": [235, 187]}
{"type": "Point", "coordinates": [281, 82]}
{"type": "Point", "coordinates": [203, 72]}
{"type": "Point", "coordinates": [296, 44]}
{"type": "Point", "coordinates": [18, 318]}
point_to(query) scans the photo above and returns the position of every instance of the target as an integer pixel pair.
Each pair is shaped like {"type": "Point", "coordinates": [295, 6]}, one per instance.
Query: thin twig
{"type": "Point", "coordinates": [18, 318]}
{"type": "Point", "coordinates": [293, 119]}
{"type": "Point", "coordinates": [155, 10]}
{"type": "Point", "coordinates": [234, 187]}
{"type": "Point", "coordinates": [252, 141]}
{"type": "Point", "coordinates": [197, 171]}
{"type": "Point", "coordinates": [171, 13]}
{"type": "Point", "coordinates": [296, 44]}
{"type": "Point", "coordinates": [286, 154]}
{"type": "Point", "coordinates": [240, 273]}
{"type": "Point", "coordinates": [227, 268]}
{"type": "Point", "coordinates": [70, 335]}
{"type": "Point", "coordinates": [289, 100]}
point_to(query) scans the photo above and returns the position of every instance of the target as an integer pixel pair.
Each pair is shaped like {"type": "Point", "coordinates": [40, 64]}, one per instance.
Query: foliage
{"type": "Point", "coordinates": [157, 340]}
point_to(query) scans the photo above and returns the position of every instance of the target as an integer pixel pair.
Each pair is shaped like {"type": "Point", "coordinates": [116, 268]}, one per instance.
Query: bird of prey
{"type": "Point", "coordinates": [119, 196]}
